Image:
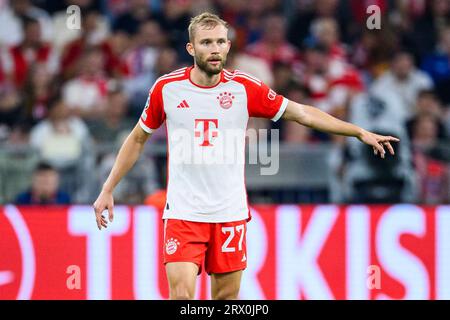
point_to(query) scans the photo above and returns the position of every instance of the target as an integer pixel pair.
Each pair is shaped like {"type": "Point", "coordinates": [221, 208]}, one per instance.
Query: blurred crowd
{"type": "Point", "coordinates": [66, 92]}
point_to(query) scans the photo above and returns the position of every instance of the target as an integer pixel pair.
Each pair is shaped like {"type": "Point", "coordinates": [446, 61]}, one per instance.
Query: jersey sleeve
{"type": "Point", "coordinates": [263, 102]}
{"type": "Point", "coordinates": [153, 115]}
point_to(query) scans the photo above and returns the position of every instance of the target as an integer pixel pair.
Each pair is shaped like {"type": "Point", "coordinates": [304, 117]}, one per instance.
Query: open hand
{"type": "Point", "coordinates": [378, 142]}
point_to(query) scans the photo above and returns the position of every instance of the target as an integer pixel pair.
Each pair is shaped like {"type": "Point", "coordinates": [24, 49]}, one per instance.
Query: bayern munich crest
{"type": "Point", "coordinates": [172, 246]}
{"type": "Point", "coordinates": [225, 100]}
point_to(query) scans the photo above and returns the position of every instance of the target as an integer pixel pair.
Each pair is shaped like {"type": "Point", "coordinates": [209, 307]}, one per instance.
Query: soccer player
{"type": "Point", "coordinates": [206, 210]}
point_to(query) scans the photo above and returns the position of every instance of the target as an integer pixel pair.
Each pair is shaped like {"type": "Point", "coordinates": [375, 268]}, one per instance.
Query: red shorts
{"type": "Point", "coordinates": [221, 246]}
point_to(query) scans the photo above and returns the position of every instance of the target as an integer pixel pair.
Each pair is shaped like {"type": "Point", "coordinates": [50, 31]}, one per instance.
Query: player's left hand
{"type": "Point", "coordinates": [378, 142]}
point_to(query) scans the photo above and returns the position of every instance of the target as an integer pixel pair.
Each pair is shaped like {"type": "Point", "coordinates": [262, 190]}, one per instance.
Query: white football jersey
{"type": "Point", "coordinates": [206, 129]}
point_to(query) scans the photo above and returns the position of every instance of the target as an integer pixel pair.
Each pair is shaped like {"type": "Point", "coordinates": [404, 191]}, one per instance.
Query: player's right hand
{"type": "Point", "coordinates": [105, 201]}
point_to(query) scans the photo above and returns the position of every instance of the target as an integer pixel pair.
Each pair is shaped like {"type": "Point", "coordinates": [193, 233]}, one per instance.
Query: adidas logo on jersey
{"type": "Point", "coordinates": [183, 105]}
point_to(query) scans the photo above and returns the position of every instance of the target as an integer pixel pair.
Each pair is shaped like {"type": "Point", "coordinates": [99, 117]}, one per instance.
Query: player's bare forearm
{"type": "Point", "coordinates": [322, 121]}
{"type": "Point", "coordinates": [127, 157]}
{"type": "Point", "coordinates": [317, 119]}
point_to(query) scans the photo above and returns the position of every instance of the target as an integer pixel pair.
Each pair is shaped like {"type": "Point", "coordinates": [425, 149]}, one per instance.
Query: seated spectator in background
{"type": "Point", "coordinates": [372, 52]}
{"type": "Point", "coordinates": [404, 79]}
{"type": "Point", "coordinates": [17, 60]}
{"type": "Point", "coordinates": [148, 42]}
{"type": "Point", "coordinates": [38, 89]}
{"type": "Point", "coordinates": [61, 138]}
{"type": "Point", "coordinates": [428, 103]}
{"type": "Point", "coordinates": [429, 161]}
{"type": "Point", "coordinates": [11, 14]}
{"type": "Point", "coordinates": [97, 31]}
{"type": "Point", "coordinates": [437, 65]}
{"type": "Point", "coordinates": [142, 63]}
{"type": "Point", "coordinates": [331, 82]}
{"type": "Point", "coordinates": [387, 181]}
{"type": "Point", "coordinates": [258, 68]}
{"type": "Point", "coordinates": [326, 32]}
{"type": "Point", "coordinates": [425, 139]}
{"type": "Point", "coordinates": [114, 49]}
{"type": "Point", "coordinates": [166, 62]}
{"type": "Point", "coordinates": [44, 188]}
{"type": "Point", "coordinates": [85, 95]}
{"type": "Point", "coordinates": [90, 37]}
{"type": "Point", "coordinates": [255, 66]}
{"type": "Point", "coordinates": [274, 47]}
{"type": "Point", "coordinates": [113, 127]}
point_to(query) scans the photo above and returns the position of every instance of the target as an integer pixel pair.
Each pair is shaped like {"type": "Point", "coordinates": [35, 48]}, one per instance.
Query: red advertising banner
{"type": "Point", "coordinates": [294, 252]}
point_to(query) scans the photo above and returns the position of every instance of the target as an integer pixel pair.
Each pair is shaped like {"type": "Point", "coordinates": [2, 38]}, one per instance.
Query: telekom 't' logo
{"type": "Point", "coordinates": [206, 130]}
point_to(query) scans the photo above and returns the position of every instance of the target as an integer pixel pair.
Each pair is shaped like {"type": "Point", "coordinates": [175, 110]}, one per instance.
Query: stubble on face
{"type": "Point", "coordinates": [208, 68]}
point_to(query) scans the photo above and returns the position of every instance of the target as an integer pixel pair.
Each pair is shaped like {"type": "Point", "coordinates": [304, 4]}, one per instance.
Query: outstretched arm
{"type": "Point", "coordinates": [126, 158]}
{"type": "Point", "coordinates": [322, 121]}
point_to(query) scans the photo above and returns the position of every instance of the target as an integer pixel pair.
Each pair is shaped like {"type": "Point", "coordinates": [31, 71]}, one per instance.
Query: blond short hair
{"type": "Point", "coordinates": [207, 20]}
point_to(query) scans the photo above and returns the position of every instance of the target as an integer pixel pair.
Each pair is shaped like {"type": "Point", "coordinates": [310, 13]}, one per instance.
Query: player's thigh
{"type": "Point", "coordinates": [225, 286]}
{"type": "Point", "coordinates": [182, 277]}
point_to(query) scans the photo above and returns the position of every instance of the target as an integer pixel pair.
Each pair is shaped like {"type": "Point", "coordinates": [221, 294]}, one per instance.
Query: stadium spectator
{"type": "Point", "coordinates": [114, 125]}
{"type": "Point", "coordinates": [326, 32]}
{"type": "Point", "coordinates": [274, 47]}
{"type": "Point", "coordinates": [60, 139]}
{"type": "Point", "coordinates": [85, 95]}
{"type": "Point", "coordinates": [428, 104]}
{"type": "Point", "coordinates": [38, 89]}
{"type": "Point", "coordinates": [44, 188]}
{"type": "Point", "coordinates": [257, 67]}
{"type": "Point", "coordinates": [404, 79]}
{"type": "Point", "coordinates": [141, 61]}
{"type": "Point", "coordinates": [96, 30]}
{"type": "Point", "coordinates": [90, 37]}
{"type": "Point", "coordinates": [12, 12]}
{"type": "Point", "coordinates": [429, 161]}
{"type": "Point", "coordinates": [372, 52]}
{"type": "Point", "coordinates": [381, 111]}
{"type": "Point", "coordinates": [331, 82]}
{"type": "Point", "coordinates": [18, 59]}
